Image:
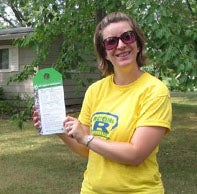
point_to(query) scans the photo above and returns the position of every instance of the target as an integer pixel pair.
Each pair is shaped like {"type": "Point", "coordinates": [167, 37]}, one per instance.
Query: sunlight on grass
{"type": "Point", "coordinates": [18, 141]}
{"type": "Point", "coordinates": [189, 98]}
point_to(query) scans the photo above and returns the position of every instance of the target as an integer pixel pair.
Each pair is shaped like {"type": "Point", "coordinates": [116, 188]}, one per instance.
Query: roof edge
{"type": "Point", "coordinates": [12, 33]}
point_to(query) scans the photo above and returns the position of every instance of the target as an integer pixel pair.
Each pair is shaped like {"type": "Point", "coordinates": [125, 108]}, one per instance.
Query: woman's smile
{"type": "Point", "coordinates": [123, 54]}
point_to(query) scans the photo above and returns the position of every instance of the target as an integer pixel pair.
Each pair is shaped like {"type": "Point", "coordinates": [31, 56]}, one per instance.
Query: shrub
{"type": "Point", "coordinates": [1, 93]}
{"type": "Point", "coordinates": [18, 109]}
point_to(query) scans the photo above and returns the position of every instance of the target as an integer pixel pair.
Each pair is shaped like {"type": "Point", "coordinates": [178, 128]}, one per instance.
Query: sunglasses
{"type": "Point", "coordinates": [112, 42]}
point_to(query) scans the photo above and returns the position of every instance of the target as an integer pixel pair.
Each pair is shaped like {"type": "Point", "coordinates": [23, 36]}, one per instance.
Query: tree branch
{"type": "Point", "coordinates": [17, 13]}
{"type": "Point", "coordinates": [189, 6]}
{"type": "Point", "coordinates": [7, 20]}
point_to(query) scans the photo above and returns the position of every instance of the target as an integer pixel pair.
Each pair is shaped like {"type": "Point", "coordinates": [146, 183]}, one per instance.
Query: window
{"type": "Point", "coordinates": [4, 58]}
{"type": "Point", "coordinates": [8, 59]}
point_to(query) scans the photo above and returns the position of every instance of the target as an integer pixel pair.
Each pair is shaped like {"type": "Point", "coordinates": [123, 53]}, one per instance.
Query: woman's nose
{"type": "Point", "coordinates": [121, 44]}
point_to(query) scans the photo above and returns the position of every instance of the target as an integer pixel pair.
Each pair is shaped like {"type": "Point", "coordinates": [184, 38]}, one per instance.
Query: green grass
{"type": "Point", "coordinates": [33, 164]}
{"type": "Point", "coordinates": [178, 151]}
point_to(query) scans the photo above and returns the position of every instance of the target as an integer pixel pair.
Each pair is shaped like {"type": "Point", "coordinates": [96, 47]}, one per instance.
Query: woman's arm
{"type": "Point", "coordinates": [143, 142]}
{"type": "Point", "coordinates": [80, 149]}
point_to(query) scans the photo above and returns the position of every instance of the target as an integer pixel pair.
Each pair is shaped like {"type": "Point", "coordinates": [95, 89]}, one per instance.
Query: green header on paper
{"type": "Point", "coordinates": [47, 77]}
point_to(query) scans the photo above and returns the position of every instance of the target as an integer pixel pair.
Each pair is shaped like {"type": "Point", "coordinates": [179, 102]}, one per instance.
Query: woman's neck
{"type": "Point", "coordinates": [127, 77]}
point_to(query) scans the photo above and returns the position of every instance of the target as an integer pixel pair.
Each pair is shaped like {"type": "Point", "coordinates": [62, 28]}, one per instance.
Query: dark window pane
{"type": "Point", "coordinates": [4, 58]}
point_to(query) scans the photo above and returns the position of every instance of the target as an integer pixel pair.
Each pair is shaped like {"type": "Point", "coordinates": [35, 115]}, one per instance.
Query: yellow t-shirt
{"type": "Point", "coordinates": [113, 113]}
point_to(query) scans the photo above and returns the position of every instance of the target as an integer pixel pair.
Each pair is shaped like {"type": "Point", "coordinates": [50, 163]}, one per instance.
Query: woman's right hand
{"type": "Point", "coordinates": [36, 118]}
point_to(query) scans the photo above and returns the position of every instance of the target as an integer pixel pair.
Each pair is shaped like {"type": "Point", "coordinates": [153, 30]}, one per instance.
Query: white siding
{"type": "Point", "coordinates": [13, 59]}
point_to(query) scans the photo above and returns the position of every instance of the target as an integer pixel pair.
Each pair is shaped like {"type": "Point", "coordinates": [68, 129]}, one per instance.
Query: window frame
{"type": "Point", "coordinates": [13, 64]}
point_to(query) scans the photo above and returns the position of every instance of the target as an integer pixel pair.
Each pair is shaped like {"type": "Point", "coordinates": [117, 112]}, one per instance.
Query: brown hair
{"type": "Point", "coordinates": [105, 65]}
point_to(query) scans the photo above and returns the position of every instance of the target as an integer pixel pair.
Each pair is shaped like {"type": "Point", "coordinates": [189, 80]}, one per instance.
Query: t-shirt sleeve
{"type": "Point", "coordinates": [155, 111]}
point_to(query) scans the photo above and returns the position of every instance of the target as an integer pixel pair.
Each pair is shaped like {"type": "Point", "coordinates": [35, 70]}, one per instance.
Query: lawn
{"type": "Point", "coordinates": [33, 164]}
{"type": "Point", "coordinates": [178, 151]}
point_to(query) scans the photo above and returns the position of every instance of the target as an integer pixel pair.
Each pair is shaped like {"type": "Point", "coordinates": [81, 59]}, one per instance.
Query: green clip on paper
{"type": "Point", "coordinates": [49, 100]}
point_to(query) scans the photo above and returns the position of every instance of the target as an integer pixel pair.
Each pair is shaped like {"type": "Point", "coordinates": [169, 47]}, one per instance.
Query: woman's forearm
{"type": "Point", "coordinates": [74, 145]}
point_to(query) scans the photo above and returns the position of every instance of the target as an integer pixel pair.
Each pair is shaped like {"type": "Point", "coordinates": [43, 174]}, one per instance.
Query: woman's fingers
{"type": "Point", "coordinates": [36, 119]}
{"type": "Point", "coordinates": [37, 125]}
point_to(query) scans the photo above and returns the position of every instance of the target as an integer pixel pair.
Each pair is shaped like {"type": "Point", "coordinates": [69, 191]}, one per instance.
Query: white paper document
{"type": "Point", "coordinates": [52, 109]}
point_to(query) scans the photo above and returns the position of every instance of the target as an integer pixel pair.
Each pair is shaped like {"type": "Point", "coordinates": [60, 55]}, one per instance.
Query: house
{"type": "Point", "coordinates": [13, 59]}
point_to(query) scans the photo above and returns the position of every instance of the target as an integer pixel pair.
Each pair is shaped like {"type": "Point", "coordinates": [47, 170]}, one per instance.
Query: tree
{"type": "Point", "coordinates": [171, 37]}
{"type": "Point", "coordinates": [172, 40]}
{"type": "Point", "coordinates": [7, 12]}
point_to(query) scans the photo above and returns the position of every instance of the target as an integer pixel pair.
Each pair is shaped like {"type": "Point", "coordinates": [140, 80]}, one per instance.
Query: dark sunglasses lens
{"type": "Point", "coordinates": [128, 37]}
{"type": "Point", "coordinates": [110, 43]}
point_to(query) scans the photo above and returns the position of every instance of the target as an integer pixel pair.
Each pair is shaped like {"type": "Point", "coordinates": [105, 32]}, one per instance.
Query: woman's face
{"type": "Point", "coordinates": [123, 55]}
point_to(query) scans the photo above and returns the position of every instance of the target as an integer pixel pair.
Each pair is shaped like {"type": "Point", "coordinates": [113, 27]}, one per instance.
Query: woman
{"type": "Point", "coordinates": [123, 117]}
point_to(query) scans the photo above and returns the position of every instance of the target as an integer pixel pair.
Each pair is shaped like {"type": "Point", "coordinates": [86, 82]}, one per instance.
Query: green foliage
{"type": "Point", "coordinates": [6, 108]}
{"type": "Point", "coordinates": [18, 109]}
{"type": "Point", "coordinates": [1, 93]}
{"type": "Point", "coordinates": [171, 36]}
{"type": "Point", "coordinates": [19, 119]}
{"type": "Point", "coordinates": [23, 111]}
{"type": "Point", "coordinates": [171, 40]}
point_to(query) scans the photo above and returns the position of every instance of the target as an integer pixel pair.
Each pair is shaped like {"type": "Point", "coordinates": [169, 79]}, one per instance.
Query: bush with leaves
{"type": "Point", "coordinates": [18, 109]}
